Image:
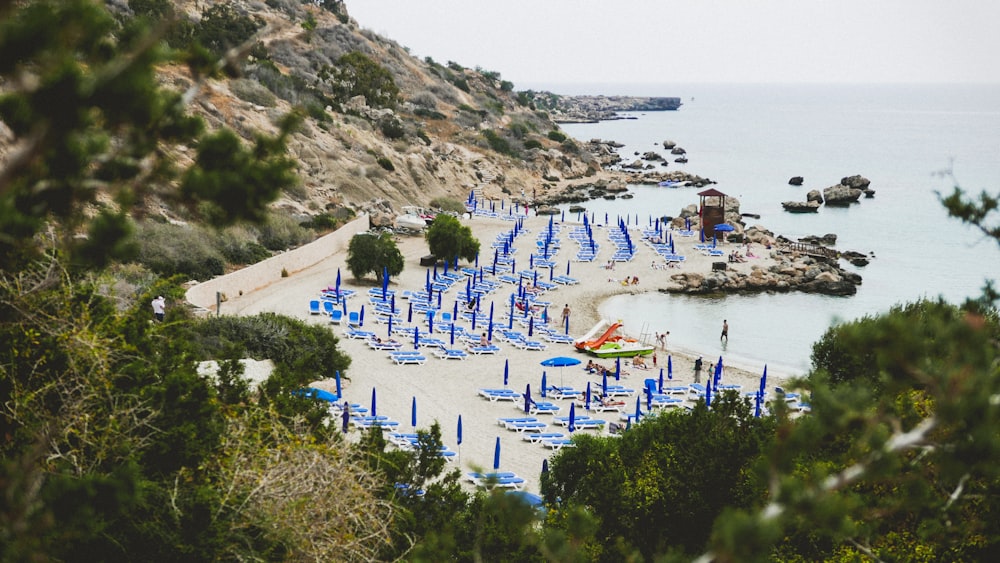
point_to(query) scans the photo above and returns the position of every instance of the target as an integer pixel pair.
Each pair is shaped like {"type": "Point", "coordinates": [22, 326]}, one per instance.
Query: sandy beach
{"type": "Point", "coordinates": [447, 388]}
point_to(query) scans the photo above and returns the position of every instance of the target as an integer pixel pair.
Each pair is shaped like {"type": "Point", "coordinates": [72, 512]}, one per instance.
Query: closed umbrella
{"type": "Point", "coordinates": [413, 413]}
{"type": "Point", "coordinates": [708, 393]}
{"type": "Point", "coordinates": [670, 368]}
{"type": "Point", "coordinates": [659, 388]}
{"type": "Point", "coordinates": [496, 455]}
{"type": "Point", "coordinates": [527, 398]}
{"type": "Point", "coordinates": [409, 313]}
{"type": "Point", "coordinates": [604, 384]}
{"type": "Point", "coordinates": [361, 316]}
{"type": "Point", "coordinates": [638, 409]}
{"type": "Point", "coordinates": [718, 373]}
{"type": "Point", "coordinates": [336, 290]}
{"type": "Point", "coordinates": [531, 326]}
{"type": "Point", "coordinates": [763, 383]}
{"type": "Point", "coordinates": [430, 321]}
{"type": "Point", "coordinates": [416, 337]}
{"type": "Point", "coordinates": [385, 281]}
{"type": "Point", "coordinates": [506, 372]}
{"type": "Point", "coordinates": [452, 333]}
{"type": "Point", "coordinates": [618, 369]}
{"type": "Point", "coordinates": [572, 417]}
{"type": "Point", "coordinates": [374, 412]}
{"type": "Point", "coordinates": [587, 397]}
{"type": "Point", "coordinates": [473, 320]}
{"type": "Point", "coordinates": [545, 384]}
{"type": "Point", "coordinates": [390, 326]}
{"type": "Point", "coordinates": [460, 439]}
{"type": "Point", "coordinates": [756, 406]}
{"type": "Point", "coordinates": [567, 267]}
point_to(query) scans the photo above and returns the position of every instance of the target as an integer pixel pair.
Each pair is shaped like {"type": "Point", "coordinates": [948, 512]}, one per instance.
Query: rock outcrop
{"type": "Point", "coordinates": [841, 195]}
{"type": "Point", "coordinates": [800, 206]}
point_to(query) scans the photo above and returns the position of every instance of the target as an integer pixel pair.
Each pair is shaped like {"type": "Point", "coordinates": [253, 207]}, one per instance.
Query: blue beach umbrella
{"type": "Point", "coordinates": [545, 384]}
{"type": "Point", "coordinates": [385, 281]}
{"type": "Point", "coordinates": [477, 260]}
{"type": "Point", "coordinates": [527, 398]}
{"type": "Point", "coordinates": [566, 328]}
{"type": "Point", "coordinates": [373, 411]}
{"type": "Point", "coordinates": [496, 455]}
{"type": "Point", "coordinates": [659, 388]}
{"type": "Point", "coordinates": [560, 362]}
{"type": "Point", "coordinates": [670, 368]}
{"type": "Point", "coordinates": [413, 412]}
{"type": "Point", "coordinates": [427, 281]}
{"type": "Point", "coordinates": [572, 417]}
{"type": "Point", "coordinates": [708, 393]}
{"type": "Point", "coordinates": [713, 240]}
{"type": "Point", "coordinates": [531, 326]}
{"type": "Point", "coordinates": [649, 397]}
{"type": "Point", "coordinates": [452, 333]}
{"type": "Point", "coordinates": [416, 337]}
{"type": "Point", "coordinates": [345, 415]}
{"type": "Point", "coordinates": [756, 406]}
{"type": "Point", "coordinates": [361, 316]}
{"type": "Point", "coordinates": [337, 376]}
{"type": "Point", "coordinates": [439, 300]}
{"type": "Point", "coordinates": [587, 397]}
{"type": "Point", "coordinates": [567, 267]}
{"type": "Point", "coordinates": [506, 372]}
{"type": "Point", "coordinates": [459, 430]}
{"type": "Point", "coordinates": [763, 383]}
{"type": "Point", "coordinates": [390, 326]}
{"type": "Point", "coordinates": [604, 384]}
{"type": "Point", "coordinates": [430, 321]}
{"type": "Point", "coordinates": [718, 372]}
{"type": "Point", "coordinates": [638, 408]}
{"type": "Point", "coordinates": [409, 313]}
{"type": "Point", "coordinates": [392, 304]}
{"type": "Point", "coordinates": [473, 319]}
{"type": "Point", "coordinates": [454, 311]}
{"type": "Point", "coordinates": [618, 369]}
{"type": "Point", "coordinates": [531, 261]}
{"type": "Point", "coordinates": [336, 288]}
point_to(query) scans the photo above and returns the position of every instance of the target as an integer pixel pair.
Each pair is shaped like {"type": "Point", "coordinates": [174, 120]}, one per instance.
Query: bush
{"type": "Point", "coordinates": [385, 163]}
{"type": "Point", "coordinates": [557, 136]}
{"type": "Point", "coordinates": [239, 246]}
{"type": "Point", "coordinates": [281, 232]}
{"type": "Point", "coordinates": [425, 99]}
{"type": "Point", "coordinates": [171, 249]}
{"type": "Point", "coordinates": [392, 128]}
{"type": "Point", "coordinates": [498, 143]}
{"type": "Point", "coordinates": [370, 253]}
{"type": "Point", "coordinates": [222, 28]}
{"type": "Point", "coordinates": [429, 114]}
{"type": "Point", "coordinates": [448, 204]}
{"type": "Point", "coordinates": [253, 92]}
{"type": "Point", "coordinates": [532, 144]}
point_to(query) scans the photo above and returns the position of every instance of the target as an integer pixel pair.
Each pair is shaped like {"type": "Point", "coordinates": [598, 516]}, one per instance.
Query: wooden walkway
{"type": "Point", "coordinates": [813, 250]}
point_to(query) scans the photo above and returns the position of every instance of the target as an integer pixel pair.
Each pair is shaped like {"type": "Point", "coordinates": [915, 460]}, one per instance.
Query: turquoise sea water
{"type": "Point", "coordinates": [752, 138]}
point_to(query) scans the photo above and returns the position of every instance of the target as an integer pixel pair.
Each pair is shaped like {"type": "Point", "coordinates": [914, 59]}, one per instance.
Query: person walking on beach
{"type": "Point", "coordinates": [661, 339]}
{"type": "Point", "coordinates": [725, 330]}
{"type": "Point", "coordinates": [565, 314]}
{"type": "Point", "coordinates": [697, 370]}
{"type": "Point", "coordinates": [159, 308]}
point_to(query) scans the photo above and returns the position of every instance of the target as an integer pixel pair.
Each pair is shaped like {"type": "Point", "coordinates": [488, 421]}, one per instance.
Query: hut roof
{"type": "Point", "coordinates": [711, 192]}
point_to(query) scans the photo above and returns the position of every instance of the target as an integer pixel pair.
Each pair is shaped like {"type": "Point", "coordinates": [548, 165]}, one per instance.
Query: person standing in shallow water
{"type": "Point", "coordinates": [725, 330]}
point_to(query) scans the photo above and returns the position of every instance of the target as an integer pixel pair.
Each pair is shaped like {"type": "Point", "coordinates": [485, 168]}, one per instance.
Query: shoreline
{"type": "Point", "coordinates": [445, 389]}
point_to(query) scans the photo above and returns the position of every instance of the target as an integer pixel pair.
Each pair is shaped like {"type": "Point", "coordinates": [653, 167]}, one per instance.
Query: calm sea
{"type": "Point", "coordinates": [752, 138]}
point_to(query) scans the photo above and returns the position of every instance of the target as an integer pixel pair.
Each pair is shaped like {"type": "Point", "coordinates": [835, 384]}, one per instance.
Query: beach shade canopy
{"type": "Point", "coordinates": [560, 362]}
{"type": "Point", "coordinates": [336, 287]}
{"type": "Point", "coordinates": [604, 384]}
{"type": "Point", "coordinates": [320, 394]}
{"type": "Point", "coordinates": [506, 371]}
{"type": "Point", "coordinates": [572, 417]}
{"type": "Point", "coordinates": [724, 227]}
{"type": "Point", "coordinates": [618, 368]}
{"type": "Point", "coordinates": [459, 430]}
{"type": "Point", "coordinates": [544, 383]}
{"type": "Point", "coordinates": [373, 412]}
{"type": "Point", "coordinates": [496, 455]}
{"type": "Point", "coordinates": [527, 398]}
{"type": "Point", "coordinates": [413, 412]}
{"type": "Point", "coordinates": [659, 387]}
{"type": "Point", "coordinates": [587, 397]}
{"type": "Point", "coordinates": [670, 368]}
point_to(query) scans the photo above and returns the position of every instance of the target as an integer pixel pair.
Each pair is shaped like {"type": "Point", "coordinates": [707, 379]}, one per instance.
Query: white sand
{"type": "Point", "coordinates": [445, 389]}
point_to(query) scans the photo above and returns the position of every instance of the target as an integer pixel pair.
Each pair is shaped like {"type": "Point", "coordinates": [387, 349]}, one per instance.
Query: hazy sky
{"type": "Point", "coordinates": [649, 41]}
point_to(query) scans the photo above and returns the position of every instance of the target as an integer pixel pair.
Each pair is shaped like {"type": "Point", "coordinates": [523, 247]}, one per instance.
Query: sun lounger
{"type": "Point", "coordinates": [562, 393]}
{"type": "Point", "coordinates": [615, 406]}
{"type": "Point", "coordinates": [336, 317]}
{"type": "Point", "coordinates": [788, 397]}
{"type": "Point", "coordinates": [474, 477]}
{"type": "Point", "coordinates": [481, 350]}
{"type": "Point", "coordinates": [451, 354]}
{"type": "Point", "coordinates": [495, 395]}
{"type": "Point", "coordinates": [544, 408]}
{"type": "Point", "coordinates": [676, 390]}
{"type": "Point", "coordinates": [386, 345]}
{"type": "Point", "coordinates": [558, 443]}
{"type": "Point", "coordinates": [589, 423]}
{"type": "Point", "coordinates": [619, 391]}
{"type": "Point", "coordinates": [526, 426]}
{"type": "Point", "coordinates": [314, 308]}
{"type": "Point", "coordinates": [504, 421]}
{"type": "Point", "coordinates": [535, 437]}
{"type": "Point", "coordinates": [696, 389]}
{"type": "Point", "coordinates": [409, 359]}
{"type": "Point", "coordinates": [530, 345]}
{"type": "Point", "coordinates": [557, 338]}
{"type": "Point", "coordinates": [358, 334]}
{"type": "Point", "coordinates": [564, 420]}
{"type": "Point", "coordinates": [353, 319]}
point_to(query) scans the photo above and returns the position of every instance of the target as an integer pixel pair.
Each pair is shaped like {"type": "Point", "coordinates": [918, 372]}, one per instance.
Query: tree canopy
{"type": "Point", "coordinates": [374, 253]}
{"type": "Point", "coordinates": [449, 239]}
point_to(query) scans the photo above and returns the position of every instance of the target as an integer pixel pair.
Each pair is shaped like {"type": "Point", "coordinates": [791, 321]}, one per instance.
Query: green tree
{"type": "Point", "coordinates": [355, 74]}
{"type": "Point", "coordinates": [374, 253]}
{"type": "Point", "coordinates": [449, 239]}
{"type": "Point", "coordinates": [662, 484]}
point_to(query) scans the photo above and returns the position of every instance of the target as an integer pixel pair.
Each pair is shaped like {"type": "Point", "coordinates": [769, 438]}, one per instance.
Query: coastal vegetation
{"type": "Point", "coordinates": [114, 447]}
{"type": "Point", "coordinates": [374, 253]}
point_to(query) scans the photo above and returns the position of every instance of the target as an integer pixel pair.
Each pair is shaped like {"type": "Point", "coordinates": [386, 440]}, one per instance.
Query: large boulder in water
{"type": "Point", "coordinates": [857, 181]}
{"type": "Point", "coordinates": [796, 181]}
{"type": "Point", "coordinates": [841, 195]}
{"type": "Point", "coordinates": [800, 206]}
{"type": "Point", "coordinates": [814, 195]}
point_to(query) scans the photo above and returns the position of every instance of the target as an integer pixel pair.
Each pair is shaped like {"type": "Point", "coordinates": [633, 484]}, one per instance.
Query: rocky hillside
{"type": "Point", "coordinates": [449, 129]}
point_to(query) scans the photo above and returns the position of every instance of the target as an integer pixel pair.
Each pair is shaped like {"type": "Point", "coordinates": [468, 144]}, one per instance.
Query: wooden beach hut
{"type": "Point", "coordinates": [711, 210]}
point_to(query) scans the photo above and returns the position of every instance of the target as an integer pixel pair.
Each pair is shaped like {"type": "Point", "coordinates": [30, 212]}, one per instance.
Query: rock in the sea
{"type": "Point", "coordinates": [577, 209]}
{"type": "Point", "coordinates": [796, 181]}
{"type": "Point", "coordinates": [856, 181]}
{"type": "Point", "coordinates": [814, 195]}
{"type": "Point", "coordinates": [829, 239]}
{"type": "Point", "coordinates": [800, 206]}
{"type": "Point", "coordinates": [677, 150]}
{"type": "Point", "coordinates": [669, 144]}
{"type": "Point", "coordinates": [635, 165]}
{"type": "Point", "coordinates": [652, 155]}
{"type": "Point", "coordinates": [841, 195]}
{"type": "Point", "coordinates": [681, 159]}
